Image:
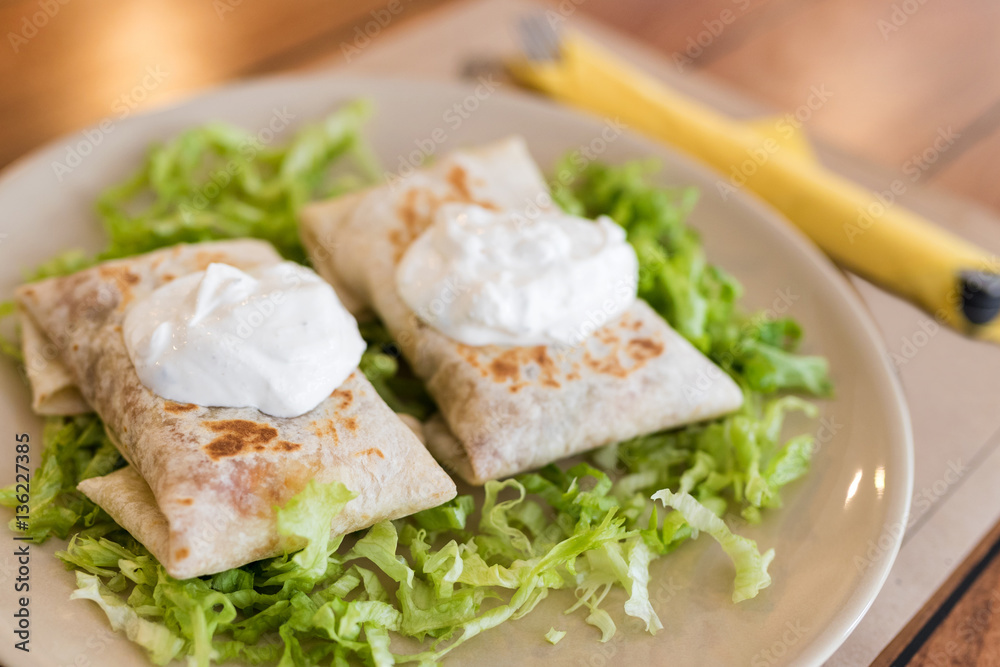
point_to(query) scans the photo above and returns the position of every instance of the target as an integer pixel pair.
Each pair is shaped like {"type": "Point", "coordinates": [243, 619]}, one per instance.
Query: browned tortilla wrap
{"type": "Point", "coordinates": [204, 481]}
{"type": "Point", "coordinates": [508, 409]}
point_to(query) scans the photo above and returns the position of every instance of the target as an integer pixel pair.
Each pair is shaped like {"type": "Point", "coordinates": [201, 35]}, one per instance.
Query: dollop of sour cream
{"type": "Point", "coordinates": [487, 277]}
{"type": "Point", "coordinates": [275, 338]}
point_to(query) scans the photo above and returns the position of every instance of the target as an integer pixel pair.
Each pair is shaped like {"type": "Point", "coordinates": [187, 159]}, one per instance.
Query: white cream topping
{"type": "Point", "coordinates": [486, 277]}
{"type": "Point", "coordinates": [275, 338]}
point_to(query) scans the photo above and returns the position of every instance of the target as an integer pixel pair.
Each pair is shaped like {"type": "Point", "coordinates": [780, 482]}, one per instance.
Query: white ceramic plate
{"type": "Point", "coordinates": [836, 537]}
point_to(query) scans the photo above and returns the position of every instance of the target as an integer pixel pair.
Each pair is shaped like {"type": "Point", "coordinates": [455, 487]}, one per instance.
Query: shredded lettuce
{"type": "Point", "coordinates": [751, 565]}
{"type": "Point", "coordinates": [76, 448]}
{"type": "Point", "coordinates": [161, 644]}
{"type": "Point", "coordinates": [698, 299]}
{"type": "Point", "coordinates": [447, 574]}
{"type": "Point", "coordinates": [392, 380]}
{"type": "Point", "coordinates": [308, 516]}
{"type": "Point", "coordinates": [221, 181]}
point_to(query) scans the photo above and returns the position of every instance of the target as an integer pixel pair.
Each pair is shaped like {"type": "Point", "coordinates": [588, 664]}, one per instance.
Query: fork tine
{"type": "Point", "coordinates": [539, 39]}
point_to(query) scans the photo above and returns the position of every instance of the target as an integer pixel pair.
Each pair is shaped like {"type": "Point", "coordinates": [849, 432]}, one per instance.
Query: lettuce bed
{"type": "Point", "coordinates": [446, 574]}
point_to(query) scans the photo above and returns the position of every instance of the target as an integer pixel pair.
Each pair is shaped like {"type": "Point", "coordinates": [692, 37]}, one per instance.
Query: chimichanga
{"type": "Point", "coordinates": [505, 409]}
{"type": "Point", "coordinates": [203, 482]}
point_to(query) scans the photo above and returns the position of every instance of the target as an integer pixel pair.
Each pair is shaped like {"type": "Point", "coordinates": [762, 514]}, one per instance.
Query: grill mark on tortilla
{"type": "Point", "coordinates": [119, 275]}
{"type": "Point", "coordinates": [506, 367]}
{"type": "Point", "coordinates": [644, 349]}
{"type": "Point", "coordinates": [471, 356]}
{"type": "Point", "coordinates": [171, 406]}
{"type": "Point", "coordinates": [606, 335]}
{"type": "Point", "coordinates": [325, 429]}
{"type": "Point", "coordinates": [186, 501]}
{"type": "Point", "coordinates": [286, 446]}
{"type": "Point", "coordinates": [122, 279]}
{"type": "Point", "coordinates": [236, 436]}
{"type": "Point", "coordinates": [414, 222]}
{"type": "Point", "coordinates": [639, 350]}
{"type": "Point", "coordinates": [607, 365]}
{"type": "Point", "coordinates": [459, 179]}
{"type": "Point", "coordinates": [182, 553]}
{"type": "Point", "coordinates": [520, 366]}
{"type": "Point", "coordinates": [344, 398]}
{"type": "Point", "coordinates": [350, 423]}
{"type": "Point", "coordinates": [547, 368]}
{"type": "Point", "coordinates": [371, 451]}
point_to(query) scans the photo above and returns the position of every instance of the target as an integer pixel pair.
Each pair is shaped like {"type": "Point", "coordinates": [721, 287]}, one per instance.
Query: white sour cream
{"type": "Point", "coordinates": [485, 277]}
{"type": "Point", "coordinates": [275, 338]}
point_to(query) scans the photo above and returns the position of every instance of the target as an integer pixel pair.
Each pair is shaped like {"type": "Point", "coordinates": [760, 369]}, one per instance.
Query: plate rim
{"type": "Point", "coordinates": [827, 641]}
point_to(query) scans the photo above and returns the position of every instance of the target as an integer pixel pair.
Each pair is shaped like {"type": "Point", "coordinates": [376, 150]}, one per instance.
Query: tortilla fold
{"type": "Point", "coordinates": [53, 391]}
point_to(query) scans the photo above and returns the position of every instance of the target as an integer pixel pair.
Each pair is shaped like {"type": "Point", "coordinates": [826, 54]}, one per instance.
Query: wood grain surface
{"type": "Point", "coordinates": [907, 84]}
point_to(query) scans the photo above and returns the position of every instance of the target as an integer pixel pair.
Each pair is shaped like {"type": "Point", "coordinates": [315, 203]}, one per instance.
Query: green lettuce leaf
{"type": "Point", "coordinates": [699, 300]}
{"type": "Point", "coordinates": [161, 644]}
{"type": "Point", "coordinates": [307, 517]}
{"type": "Point", "coordinates": [751, 565]}
{"type": "Point", "coordinates": [75, 448]}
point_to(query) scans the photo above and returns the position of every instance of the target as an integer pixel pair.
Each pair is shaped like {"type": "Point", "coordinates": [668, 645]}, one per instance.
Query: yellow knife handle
{"type": "Point", "coordinates": [866, 233]}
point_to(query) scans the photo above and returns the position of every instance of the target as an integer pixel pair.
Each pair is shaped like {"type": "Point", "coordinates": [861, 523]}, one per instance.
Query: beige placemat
{"type": "Point", "coordinates": [952, 384]}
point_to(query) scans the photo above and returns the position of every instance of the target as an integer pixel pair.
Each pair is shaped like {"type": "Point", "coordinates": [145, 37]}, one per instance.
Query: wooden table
{"type": "Point", "coordinates": [899, 76]}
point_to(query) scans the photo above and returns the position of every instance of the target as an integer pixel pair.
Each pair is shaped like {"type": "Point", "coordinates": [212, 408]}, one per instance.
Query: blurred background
{"type": "Point", "coordinates": [889, 89]}
{"type": "Point", "coordinates": [912, 86]}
